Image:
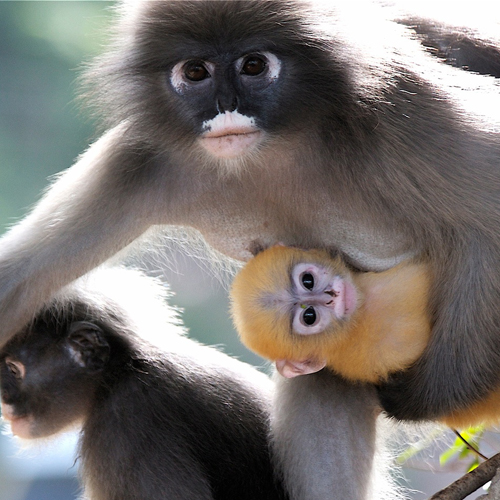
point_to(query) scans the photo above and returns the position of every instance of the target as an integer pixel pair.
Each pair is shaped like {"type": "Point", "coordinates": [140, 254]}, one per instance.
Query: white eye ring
{"type": "Point", "coordinates": [178, 78]}
{"type": "Point", "coordinates": [273, 64]}
{"type": "Point", "coordinates": [321, 323]}
{"type": "Point", "coordinates": [302, 269]}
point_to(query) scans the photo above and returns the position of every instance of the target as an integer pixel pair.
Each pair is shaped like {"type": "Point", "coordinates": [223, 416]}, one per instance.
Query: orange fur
{"type": "Point", "coordinates": [391, 327]}
{"type": "Point", "coordinates": [389, 330]}
{"type": "Point", "coordinates": [486, 412]}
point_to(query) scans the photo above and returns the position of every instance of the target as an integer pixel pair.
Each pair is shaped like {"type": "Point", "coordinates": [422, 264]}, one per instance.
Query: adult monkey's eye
{"type": "Point", "coordinates": [309, 316]}
{"type": "Point", "coordinates": [253, 66]}
{"type": "Point", "coordinates": [196, 71]}
{"type": "Point", "coordinates": [307, 280]}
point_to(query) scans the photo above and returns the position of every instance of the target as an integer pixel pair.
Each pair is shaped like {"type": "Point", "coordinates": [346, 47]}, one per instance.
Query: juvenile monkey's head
{"type": "Point", "coordinates": [49, 372]}
{"type": "Point", "coordinates": [55, 372]}
{"type": "Point", "coordinates": [287, 303]}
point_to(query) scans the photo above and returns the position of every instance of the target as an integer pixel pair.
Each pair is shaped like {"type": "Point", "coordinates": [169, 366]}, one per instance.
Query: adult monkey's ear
{"type": "Point", "coordinates": [88, 346]}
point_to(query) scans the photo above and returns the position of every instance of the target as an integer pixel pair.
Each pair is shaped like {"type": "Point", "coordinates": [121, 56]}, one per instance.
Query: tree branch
{"type": "Point", "coordinates": [470, 482]}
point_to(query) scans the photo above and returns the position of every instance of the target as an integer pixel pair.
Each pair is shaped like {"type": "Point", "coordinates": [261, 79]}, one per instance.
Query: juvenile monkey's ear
{"type": "Point", "coordinates": [88, 346]}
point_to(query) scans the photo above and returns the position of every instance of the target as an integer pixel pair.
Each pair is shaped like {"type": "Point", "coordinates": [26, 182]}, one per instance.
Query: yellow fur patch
{"type": "Point", "coordinates": [387, 333]}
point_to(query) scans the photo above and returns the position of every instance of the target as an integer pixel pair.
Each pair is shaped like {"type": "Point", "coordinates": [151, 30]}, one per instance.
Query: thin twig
{"type": "Point", "coordinates": [471, 448]}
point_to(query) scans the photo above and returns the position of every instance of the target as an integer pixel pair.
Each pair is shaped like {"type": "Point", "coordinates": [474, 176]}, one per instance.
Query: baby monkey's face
{"type": "Point", "coordinates": [321, 295]}
{"type": "Point", "coordinates": [289, 305]}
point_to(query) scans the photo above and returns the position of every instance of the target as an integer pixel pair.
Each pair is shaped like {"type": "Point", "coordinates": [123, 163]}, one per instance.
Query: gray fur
{"type": "Point", "coordinates": [372, 147]}
{"type": "Point", "coordinates": [332, 418]}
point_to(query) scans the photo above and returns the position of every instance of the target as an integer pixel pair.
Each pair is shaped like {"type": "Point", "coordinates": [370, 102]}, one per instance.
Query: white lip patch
{"type": "Point", "coordinates": [228, 123]}
{"type": "Point", "coordinates": [229, 134]}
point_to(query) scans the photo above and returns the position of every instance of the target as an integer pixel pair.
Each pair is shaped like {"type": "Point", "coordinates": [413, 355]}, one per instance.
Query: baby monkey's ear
{"type": "Point", "coordinates": [88, 346]}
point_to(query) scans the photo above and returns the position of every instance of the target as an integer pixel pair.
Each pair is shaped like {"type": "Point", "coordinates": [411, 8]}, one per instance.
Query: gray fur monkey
{"type": "Point", "coordinates": [257, 122]}
{"type": "Point", "coordinates": [182, 423]}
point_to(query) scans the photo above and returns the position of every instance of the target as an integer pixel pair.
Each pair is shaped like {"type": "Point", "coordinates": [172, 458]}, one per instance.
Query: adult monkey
{"type": "Point", "coordinates": [257, 122]}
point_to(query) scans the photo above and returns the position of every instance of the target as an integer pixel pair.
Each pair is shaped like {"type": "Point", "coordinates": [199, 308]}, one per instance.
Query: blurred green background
{"type": "Point", "coordinates": [42, 130]}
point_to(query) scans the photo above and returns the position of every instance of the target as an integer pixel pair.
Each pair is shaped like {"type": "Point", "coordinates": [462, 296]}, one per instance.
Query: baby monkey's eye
{"type": "Point", "coordinates": [15, 368]}
{"type": "Point", "coordinates": [307, 280]}
{"type": "Point", "coordinates": [309, 316]}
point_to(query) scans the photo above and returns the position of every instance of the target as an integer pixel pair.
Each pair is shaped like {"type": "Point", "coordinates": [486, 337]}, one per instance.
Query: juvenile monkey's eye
{"type": "Point", "coordinates": [253, 66]}
{"type": "Point", "coordinates": [196, 71]}
{"type": "Point", "coordinates": [307, 280]}
{"type": "Point", "coordinates": [309, 316]}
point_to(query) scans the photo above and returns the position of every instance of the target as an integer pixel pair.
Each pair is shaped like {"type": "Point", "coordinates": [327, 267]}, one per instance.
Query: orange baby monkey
{"type": "Point", "coordinates": [306, 310]}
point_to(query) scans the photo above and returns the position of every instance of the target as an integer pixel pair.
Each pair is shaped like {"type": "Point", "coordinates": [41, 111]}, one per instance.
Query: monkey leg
{"type": "Point", "coordinates": [323, 436]}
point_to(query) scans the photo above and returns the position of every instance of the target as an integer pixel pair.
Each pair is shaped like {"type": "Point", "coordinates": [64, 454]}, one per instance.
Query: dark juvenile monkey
{"type": "Point", "coordinates": [305, 309]}
{"type": "Point", "coordinates": [318, 125]}
{"type": "Point", "coordinates": [186, 423]}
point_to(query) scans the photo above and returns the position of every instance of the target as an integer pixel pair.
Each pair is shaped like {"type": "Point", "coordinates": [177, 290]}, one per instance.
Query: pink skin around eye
{"type": "Point", "coordinates": [333, 296]}
{"type": "Point", "coordinates": [292, 369]}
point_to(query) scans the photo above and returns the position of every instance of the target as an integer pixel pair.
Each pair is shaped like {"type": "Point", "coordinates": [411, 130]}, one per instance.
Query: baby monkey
{"type": "Point", "coordinates": [306, 310]}
{"type": "Point", "coordinates": [187, 422]}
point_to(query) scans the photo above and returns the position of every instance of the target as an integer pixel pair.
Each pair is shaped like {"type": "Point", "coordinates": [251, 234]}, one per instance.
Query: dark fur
{"type": "Point", "coordinates": [368, 152]}
{"type": "Point", "coordinates": [458, 48]}
{"type": "Point", "coordinates": [156, 424]}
